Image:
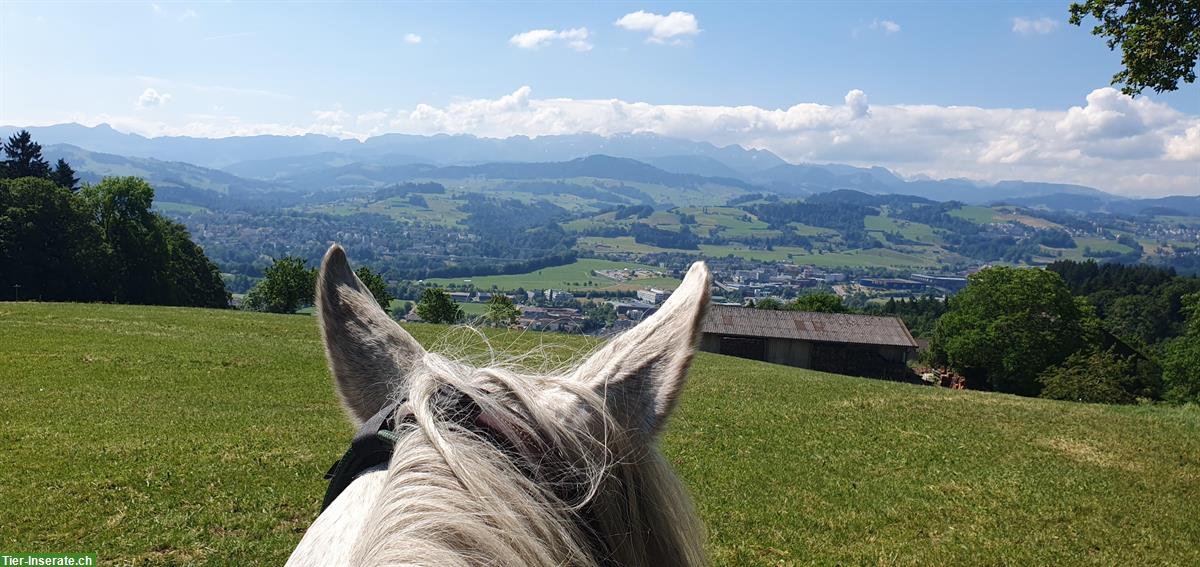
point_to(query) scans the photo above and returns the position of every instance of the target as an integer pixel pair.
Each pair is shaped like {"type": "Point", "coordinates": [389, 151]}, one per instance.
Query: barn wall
{"type": "Point", "coordinates": [790, 352]}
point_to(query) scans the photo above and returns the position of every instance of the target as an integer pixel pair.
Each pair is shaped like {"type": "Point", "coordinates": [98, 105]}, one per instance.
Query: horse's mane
{"type": "Point", "coordinates": [599, 495]}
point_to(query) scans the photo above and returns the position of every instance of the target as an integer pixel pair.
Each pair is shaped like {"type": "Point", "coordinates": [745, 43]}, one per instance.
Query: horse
{"type": "Point", "coordinates": [539, 470]}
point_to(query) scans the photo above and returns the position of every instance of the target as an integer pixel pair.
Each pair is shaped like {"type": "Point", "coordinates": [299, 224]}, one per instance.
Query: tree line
{"type": "Point", "coordinates": [102, 242]}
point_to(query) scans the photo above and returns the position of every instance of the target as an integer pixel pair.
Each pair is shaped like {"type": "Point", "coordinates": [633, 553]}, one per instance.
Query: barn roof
{"type": "Point", "coordinates": [805, 326]}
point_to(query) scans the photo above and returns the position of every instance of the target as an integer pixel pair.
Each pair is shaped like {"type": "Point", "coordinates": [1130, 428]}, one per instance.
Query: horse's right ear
{"type": "Point", "coordinates": [368, 352]}
{"type": "Point", "coordinates": [641, 373]}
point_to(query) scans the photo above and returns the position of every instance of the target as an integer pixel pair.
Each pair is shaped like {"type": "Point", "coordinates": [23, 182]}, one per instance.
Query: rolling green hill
{"type": "Point", "coordinates": [158, 436]}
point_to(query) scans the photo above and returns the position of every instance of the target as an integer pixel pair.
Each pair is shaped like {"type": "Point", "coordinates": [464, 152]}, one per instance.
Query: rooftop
{"type": "Point", "coordinates": [802, 325]}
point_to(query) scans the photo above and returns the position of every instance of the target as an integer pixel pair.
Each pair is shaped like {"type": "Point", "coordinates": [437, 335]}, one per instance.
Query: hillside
{"type": "Point", "coordinates": [163, 436]}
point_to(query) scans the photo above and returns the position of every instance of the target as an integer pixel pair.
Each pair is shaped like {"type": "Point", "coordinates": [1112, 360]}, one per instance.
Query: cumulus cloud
{"type": "Point", "coordinates": [673, 27]}
{"type": "Point", "coordinates": [152, 99]}
{"type": "Point", "coordinates": [1110, 141]}
{"type": "Point", "coordinates": [412, 38]}
{"type": "Point", "coordinates": [1030, 26]}
{"type": "Point", "coordinates": [575, 38]}
{"type": "Point", "coordinates": [888, 27]}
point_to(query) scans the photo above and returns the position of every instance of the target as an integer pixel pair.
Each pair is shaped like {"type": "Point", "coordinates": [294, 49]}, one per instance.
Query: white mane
{"type": "Point", "coordinates": [597, 493]}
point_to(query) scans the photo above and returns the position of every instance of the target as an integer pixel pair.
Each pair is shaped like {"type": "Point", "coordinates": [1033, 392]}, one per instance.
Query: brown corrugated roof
{"type": "Point", "coordinates": [802, 325]}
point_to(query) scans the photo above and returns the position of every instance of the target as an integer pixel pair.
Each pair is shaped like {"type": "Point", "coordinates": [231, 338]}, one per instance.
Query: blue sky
{"type": "Point", "coordinates": [693, 70]}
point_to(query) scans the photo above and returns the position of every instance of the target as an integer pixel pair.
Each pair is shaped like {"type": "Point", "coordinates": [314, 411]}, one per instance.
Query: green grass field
{"type": "Point", "coordinates": [156, 436]}
{"type": "Point", "coordinates": [576, 276]}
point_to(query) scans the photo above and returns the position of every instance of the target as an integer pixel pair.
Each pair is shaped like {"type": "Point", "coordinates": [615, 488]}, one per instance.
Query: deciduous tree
{"type": "Point", "coordinates": [1159, 40]}
{"type": "Point", "coordinates": [1011, 324]}
{"type": "Point", "coordinates": [436, 306]}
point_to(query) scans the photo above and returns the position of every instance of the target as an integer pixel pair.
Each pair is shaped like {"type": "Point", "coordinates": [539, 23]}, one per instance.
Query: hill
{"type": "Point", "coordinates": [166, 436]}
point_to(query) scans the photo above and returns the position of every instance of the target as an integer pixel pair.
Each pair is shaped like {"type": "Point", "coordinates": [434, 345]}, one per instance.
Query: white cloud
{"type": "Point", "coordinates": [156, 8]}
{"type": "Point", "coordinates": [1029, 26]}
{"type": "Point", "coordinates": [412, 38]}
{"type": "Point", "coordinates": [575, 38]}
{"type": "Point", "coordinates": [1136, 147]}
{"type": "Point", "coordinates": [888, 27]}
{"type": "Point", "coordinates": [152, 99]}
{"type": "Point", "coordinates": [672, 27]}
{"type": "Point", "coordinates": [187, 15]}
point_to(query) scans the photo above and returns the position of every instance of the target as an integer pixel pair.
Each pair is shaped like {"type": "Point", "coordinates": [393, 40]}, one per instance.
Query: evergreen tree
{"type": "Point", "coordinates": [64, 176]}
{"type": "Point", "coordinates": [23, 157]}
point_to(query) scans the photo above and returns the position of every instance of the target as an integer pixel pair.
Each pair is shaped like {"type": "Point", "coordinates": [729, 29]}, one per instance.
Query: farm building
{"type": "Point", "coordinates": [858, 345]}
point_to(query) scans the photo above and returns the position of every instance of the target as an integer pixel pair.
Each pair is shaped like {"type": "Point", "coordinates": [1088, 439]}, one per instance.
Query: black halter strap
{"type": "Point", "coordinates": [371, 447]}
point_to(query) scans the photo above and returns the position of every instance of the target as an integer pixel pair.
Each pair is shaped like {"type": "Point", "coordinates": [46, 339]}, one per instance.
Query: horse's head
{"type": "Point", "coordinates": [555, 470]}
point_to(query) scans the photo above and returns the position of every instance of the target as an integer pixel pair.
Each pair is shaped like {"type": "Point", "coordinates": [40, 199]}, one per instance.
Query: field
{"type": "Point", "coordinates": [576, 276]}
{"type": "Point", "coordinates": [157, 436]}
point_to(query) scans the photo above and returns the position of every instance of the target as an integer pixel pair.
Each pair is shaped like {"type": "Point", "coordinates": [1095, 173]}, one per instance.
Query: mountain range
{"type": "Point", "coordinates": [243, 167]}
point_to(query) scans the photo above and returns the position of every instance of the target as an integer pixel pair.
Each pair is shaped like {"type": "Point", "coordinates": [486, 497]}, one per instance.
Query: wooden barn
{"type": "Point", "coordinates": [857, 345]}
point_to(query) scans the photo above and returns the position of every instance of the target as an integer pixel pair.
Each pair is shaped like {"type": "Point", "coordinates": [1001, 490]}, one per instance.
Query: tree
{"type": "Point", "coordinates": [1181, 358]}
{"type": "Point", "coordinates": [288, 284]}
{"type": "Point", "coordinates": [120, 206]}
{"type": "Point", "coordinates": [64, 176]}
{"type": "Point", "coordinates": [1159, 39]}
{"type": "Point", "coordinates": [23, 157]}
{"type": "Point", "coordinates": [769, 303]}
{"type": "Point", "coordinates": [376, 284]}
{"type": "Point", "coordinates": [48, 243]}
{"type": "Point", "coordinates": [818, 303]}
{"type": "Point", "coordinates": [501, 312]}
{"type": "Point", "coordinates": [1011, 324]}
{"type": "Point", "coordinates": [436, 306]}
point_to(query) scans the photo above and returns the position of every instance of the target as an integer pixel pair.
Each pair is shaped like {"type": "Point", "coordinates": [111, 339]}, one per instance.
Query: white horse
{"type": "Point", "coordinates": [550, 470]}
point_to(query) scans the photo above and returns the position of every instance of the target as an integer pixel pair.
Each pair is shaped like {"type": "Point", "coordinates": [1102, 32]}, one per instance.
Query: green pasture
{"type": "Point", "coordinates": [576, 276]}
{"type": "Point", "coordinates": [167, 436]}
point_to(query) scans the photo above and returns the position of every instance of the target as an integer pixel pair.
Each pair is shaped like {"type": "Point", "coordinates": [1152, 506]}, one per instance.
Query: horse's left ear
{"type": "Point", "coordinates": [369, 354]}
{"type": "Point", "coordinates": [641, 373]}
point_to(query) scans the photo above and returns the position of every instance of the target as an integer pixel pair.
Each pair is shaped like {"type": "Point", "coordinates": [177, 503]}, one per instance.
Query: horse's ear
{"type": "Point", "coordinates": [641, 373]}
{"type": "Point", "coordinates": [368, 352]}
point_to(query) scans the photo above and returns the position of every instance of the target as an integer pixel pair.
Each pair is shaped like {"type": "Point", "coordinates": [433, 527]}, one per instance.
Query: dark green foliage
{"type": "Point", "coordinates": [1181, 358]}
{"type": "Point", "coordinates": [845, 218]}
{"type": "Point", "coordinates": [101, 244]}
{"type": "Point", "coordinates": [501, 312]}
{"type": "Point", "coordinates": [408, 189]}
{"type": "Point", "coordinates": [436, 306]}
{"type": "Point", "coordinates": [769, 303]}
{"type": "Point", "coordinates": [1055, 238]}
{"type": "Point", "coordinates": [288, 284]}
{"type": "Point", "coordinates": [1011, 324]}
{"type": "Point", "coordinates": [1159, 40]}
{"type": "Point", "coordinates": [64, 176]}
{"type": "Point", "coordinates": [1101, 377]}
{"type": "Point", "coordinates": [23, 157]}
{"type": "Point", "coordinates": [634, 212]}
{"type": "Point", "coordinates": [598, 316]}
{"type": "Point", "coordinates": [818, 303]}
{"type": "Point", "coordinates": [49, 244]}
{"type": "Point", "coordinates": [374, 282]}
{"type": "Point", "coordinates": [683, 240]}
{"type": "Point", "coordinates": [919, 315]}
{"type": "Point", "coordinates": [1139, 303]}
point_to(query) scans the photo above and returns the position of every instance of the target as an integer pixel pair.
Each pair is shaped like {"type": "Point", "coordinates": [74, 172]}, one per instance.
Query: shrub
{"type": "Point", "coordinates": [1102, 377]}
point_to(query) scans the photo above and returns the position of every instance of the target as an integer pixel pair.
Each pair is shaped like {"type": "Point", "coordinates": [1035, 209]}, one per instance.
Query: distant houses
{"type": "Point", "coordinates": [855, 345]}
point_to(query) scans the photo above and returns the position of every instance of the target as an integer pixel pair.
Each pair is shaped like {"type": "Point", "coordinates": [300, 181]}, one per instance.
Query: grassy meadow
{"type": "Point", "coordinates": [576, 276]}
{"type": "Point", "coordinates": [157, 436]}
